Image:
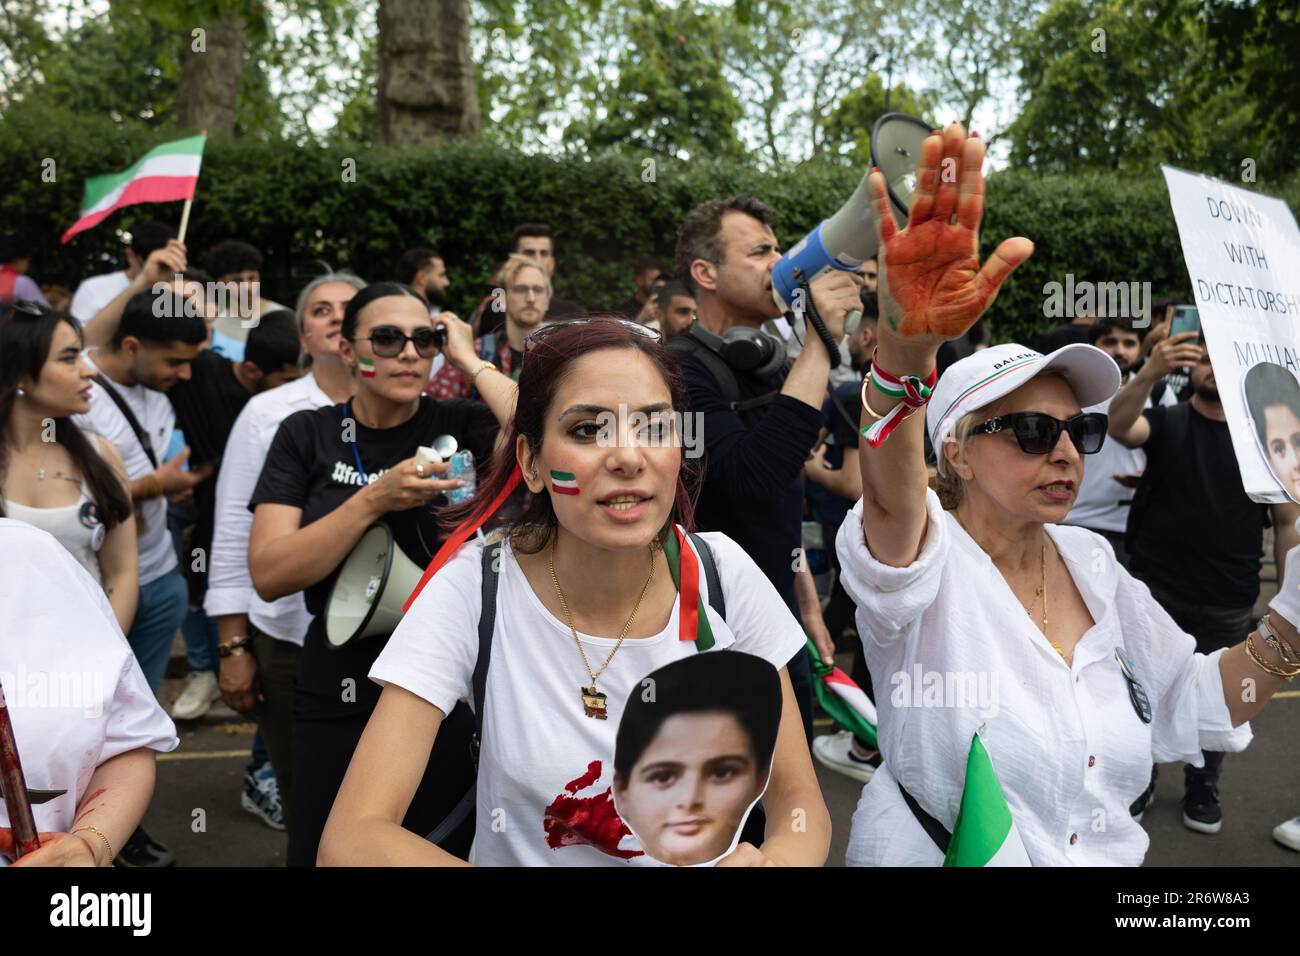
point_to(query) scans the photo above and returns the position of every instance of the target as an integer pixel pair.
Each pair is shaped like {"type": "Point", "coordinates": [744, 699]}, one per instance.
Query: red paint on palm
{"type": "Point", "coordinates": [930, 270]}
{"type": "Point", "coordinates": [587, 821]}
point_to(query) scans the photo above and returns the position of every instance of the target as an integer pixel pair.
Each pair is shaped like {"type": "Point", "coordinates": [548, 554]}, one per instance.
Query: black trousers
{"type": "Point", "coordinates": [323, 742]}
{"type": "Point", "coordinates": [1213, 627]}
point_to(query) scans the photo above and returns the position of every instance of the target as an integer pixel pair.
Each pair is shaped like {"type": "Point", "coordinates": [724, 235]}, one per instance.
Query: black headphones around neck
{"type": "Point", "coordinates": [743, 349]}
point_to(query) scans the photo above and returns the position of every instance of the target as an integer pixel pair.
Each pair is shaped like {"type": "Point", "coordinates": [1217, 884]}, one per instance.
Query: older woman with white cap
{"type": "Point", "coordinates": [990, 616]}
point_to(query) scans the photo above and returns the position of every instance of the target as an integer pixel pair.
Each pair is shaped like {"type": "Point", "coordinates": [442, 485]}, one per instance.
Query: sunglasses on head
{"type": "Point", "coordinates": [541, 334]}
{"type": "Point", "coordinates": [1038, 433]}
{"type": "Point", "coordinates": [388, 341]}
{"type": "Point", "coordinates": [24, 307]}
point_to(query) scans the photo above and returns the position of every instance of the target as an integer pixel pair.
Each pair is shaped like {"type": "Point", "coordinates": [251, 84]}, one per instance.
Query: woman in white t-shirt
{"type": "Point", "coordinates": [84, 720]}
{"type": "Point", "coordinates": [990, 616]}
{"type": "Point", "coordinates": [587, 606]}
{"type": "Point", "coordinates": [52, 474]}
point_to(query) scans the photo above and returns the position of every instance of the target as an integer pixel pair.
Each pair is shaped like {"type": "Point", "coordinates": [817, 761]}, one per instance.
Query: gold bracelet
{"type": "Point", "coordinates": [1280, 644]}
{"type": "Point", "coordinates": [866, 405]}
{"type": "Point", "coordinates": [484, 367]}
{"type": "Point", "coordinates": [99, 833]}
{"type": "Point", "coordinates": [1253, 653]}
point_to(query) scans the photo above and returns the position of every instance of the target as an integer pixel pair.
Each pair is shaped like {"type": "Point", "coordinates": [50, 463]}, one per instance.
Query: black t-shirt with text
{"type": "Point", "coordinates": [1196, 534]}
{"type": "Point", "coordinates": [311, 467]}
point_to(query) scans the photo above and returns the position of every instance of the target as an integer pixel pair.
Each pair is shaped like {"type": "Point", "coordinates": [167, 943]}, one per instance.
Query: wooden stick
{"type": "Point", "coordinates": [185, 213]}
{"type": "Point", "coordinates": [185, 220]}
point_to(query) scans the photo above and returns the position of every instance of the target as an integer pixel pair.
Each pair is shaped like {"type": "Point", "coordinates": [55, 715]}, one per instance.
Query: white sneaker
{"type": "Point", "coordinates": [1288, 833]}
{"type": "Point", "coordinates": [200, 693]}
{"type": "Point", "coordinates": [836, 752]}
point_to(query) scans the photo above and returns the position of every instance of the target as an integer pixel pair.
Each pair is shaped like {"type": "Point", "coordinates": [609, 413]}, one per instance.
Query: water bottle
{"type": "Point", "coordinates": [462, 467]}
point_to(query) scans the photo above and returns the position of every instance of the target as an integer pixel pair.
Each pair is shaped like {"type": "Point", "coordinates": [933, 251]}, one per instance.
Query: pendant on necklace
{"type": "Point", "coordinates": [593, 703]}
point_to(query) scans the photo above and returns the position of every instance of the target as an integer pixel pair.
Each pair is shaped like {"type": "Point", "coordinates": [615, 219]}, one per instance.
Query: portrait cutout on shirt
{"type": "Point", "coordinates": [1272, 395]}
{"type": "Point", "coordinates": [693, 754]}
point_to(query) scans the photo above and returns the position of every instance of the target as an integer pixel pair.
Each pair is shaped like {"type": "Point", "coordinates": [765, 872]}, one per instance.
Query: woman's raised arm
{"type": "Point", "coordinates": [931, 289]}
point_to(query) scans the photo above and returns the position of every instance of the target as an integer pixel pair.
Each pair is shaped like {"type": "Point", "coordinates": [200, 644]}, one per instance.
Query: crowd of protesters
{"type": "Point", "coordinates": [203, 461]}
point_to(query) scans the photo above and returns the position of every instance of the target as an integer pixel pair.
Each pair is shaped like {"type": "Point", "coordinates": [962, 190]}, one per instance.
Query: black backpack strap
{"type": "Point", "coordinates": [140, 434]}
{"type": "Point", "coordinates": [935, 830]}
{"type": "Point", "coordinates": [720, 370]}
{"type": "Point", "coordinates": [487, 620]}
{"type": "Point", "coordinates": [717, 600]}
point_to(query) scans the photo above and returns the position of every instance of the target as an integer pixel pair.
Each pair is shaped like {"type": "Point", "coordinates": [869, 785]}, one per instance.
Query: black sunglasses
{"type": "Point", "coordinates": [388, 341]}
{"type": "Point", "coordinates": [1038, 433]}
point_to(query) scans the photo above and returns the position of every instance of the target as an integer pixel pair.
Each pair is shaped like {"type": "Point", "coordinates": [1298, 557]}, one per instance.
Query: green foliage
{"type": "Point", "coordinates": [1129, 84]}
{"type": "Point", "coordinates": [670, 98]}
{"type": "Point", "coordinates": [848, 129]}
{"type": "Point", "coordinates": [465, 198]}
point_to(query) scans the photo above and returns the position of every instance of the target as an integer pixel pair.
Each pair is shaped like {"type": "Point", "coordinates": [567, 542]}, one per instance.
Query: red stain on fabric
{"type": "Point", "coordinates": [587, 821]}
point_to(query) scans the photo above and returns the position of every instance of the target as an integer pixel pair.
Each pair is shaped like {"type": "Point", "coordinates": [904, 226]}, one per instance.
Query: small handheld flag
{"type": "Point", "coordinates": [985, 833]}
{"type": "Point", "coordinates": [842, 699]}
{"type": "Point", "coordinates": [166, 173]}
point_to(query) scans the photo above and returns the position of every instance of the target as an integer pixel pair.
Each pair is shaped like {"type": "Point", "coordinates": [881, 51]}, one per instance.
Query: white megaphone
{"type": "Point", "coordinates": [848, 239]}
{"type": "Point", "coordinates": [370, 590]}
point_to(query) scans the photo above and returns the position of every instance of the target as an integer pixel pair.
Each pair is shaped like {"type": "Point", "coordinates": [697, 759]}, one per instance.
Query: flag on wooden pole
{"type": "Point", "coordinates": [166, 173]}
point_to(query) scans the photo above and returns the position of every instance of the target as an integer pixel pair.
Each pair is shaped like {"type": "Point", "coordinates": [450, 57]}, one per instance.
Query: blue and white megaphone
{"type": "Point", "coordinates": [848, 239]}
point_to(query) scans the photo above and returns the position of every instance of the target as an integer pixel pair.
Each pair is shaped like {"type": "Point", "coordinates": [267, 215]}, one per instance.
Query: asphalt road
{"type": "Point", "coordinates": [1260, 788]}
{"type": "Point", "coordinates": [196, 809]}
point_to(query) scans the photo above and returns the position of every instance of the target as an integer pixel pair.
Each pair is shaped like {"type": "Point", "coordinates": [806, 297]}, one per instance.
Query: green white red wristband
{"type": "Point", "coordinates": [912, 391]}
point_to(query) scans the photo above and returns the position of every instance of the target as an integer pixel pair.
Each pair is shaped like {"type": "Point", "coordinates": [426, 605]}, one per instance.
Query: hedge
{"type": "Point", "coordinates": [465, 198]}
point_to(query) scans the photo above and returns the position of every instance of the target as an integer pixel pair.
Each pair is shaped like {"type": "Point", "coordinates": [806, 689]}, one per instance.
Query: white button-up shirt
{"type": "Point", "coordinates": [950, 648]}
{"type": "Point", "coordinates": [230, 586]}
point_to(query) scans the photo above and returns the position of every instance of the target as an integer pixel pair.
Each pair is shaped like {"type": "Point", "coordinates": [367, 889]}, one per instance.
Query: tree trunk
{"type": "Point", "coordinates": [426, 77]}
{"type": "Point", "coordinates": [208, 93]}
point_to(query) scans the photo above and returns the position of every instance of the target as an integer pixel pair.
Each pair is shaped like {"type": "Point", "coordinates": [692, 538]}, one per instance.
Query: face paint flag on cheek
{"type": "Point", "coordinates": [563, 482]}
{"type": "Point", "coordinates": [365, 366]}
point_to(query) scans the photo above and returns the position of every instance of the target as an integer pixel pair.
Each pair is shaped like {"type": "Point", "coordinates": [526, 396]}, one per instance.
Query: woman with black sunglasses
{"type": "Point", "coordinates": [983, 614]}
{"type": "Point", "coordinates": [332, 473]}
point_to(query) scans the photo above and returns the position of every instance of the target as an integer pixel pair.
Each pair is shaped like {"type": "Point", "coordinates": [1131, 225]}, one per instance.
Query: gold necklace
{"type": "Point", "coordinates": [593, 701]}
{"type": "Point", "coordinates": [40, 469]}
{"type": "Point", "coordinates": [1040, 591]}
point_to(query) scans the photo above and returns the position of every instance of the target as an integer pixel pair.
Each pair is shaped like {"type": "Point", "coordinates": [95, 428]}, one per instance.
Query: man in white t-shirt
{"type": "Point", "coordinates": [98, 291]}
{"type": "Point", "coordinates": [150, 352]}
{"type": "Point", "coordinates": [146, 356]}
{"type": "Point", "coordinates": [1111, 475]}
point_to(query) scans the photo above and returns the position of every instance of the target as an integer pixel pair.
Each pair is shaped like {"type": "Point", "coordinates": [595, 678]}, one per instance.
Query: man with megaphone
{"type": "Point", "coordinates": [760, 415]}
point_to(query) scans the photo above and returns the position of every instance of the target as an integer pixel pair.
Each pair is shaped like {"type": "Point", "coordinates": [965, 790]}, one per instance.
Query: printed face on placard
{"type": "Point", "coordinates": [1273, 400]}
{"type": "Point", "coordinates": [694, 754]}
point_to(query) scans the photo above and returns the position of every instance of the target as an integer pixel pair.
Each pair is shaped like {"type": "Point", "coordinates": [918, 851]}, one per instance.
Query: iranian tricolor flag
{"type": "Point", "coordinates": [843, 700]}
{"type": "Point", "coordinates": [985, 834]}
{"type": "Point", "coordinates": [164, 174]}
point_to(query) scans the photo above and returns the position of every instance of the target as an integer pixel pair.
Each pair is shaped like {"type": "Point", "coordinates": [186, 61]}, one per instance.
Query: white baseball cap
{"type": "Point", "coordinates": [984, 377]}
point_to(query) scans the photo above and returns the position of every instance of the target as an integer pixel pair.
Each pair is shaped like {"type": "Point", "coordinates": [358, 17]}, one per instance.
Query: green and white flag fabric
{"type": "Point", "coordinates": [164, 174]}
{"type": "Point", "coordinates": [843, 701]}
{"type": "Point", "coordinates": [985, 833]}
